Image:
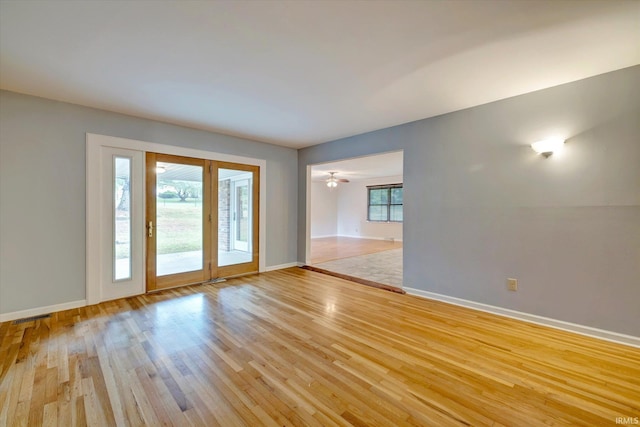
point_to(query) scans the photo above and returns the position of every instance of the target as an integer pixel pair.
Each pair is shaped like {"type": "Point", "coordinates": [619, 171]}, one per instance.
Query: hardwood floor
{"type": "Point", "coordinates": [295, 347]}
{"type": "Point", "coordinates": [329, 248]}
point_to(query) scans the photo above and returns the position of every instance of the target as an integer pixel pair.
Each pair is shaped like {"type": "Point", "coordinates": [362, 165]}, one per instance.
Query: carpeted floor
{"type": "Point", "coordinates": [382, 267]}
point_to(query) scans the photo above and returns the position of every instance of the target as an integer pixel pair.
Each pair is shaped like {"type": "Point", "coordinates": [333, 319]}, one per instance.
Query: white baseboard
{"type": "Point", "coordinates": [367, 237]}
{"type": "Point", "coordinates": [324, 236]}
{"type": "Point", "coordinates": [531, 318]}
{"type": "Point", "coordinates": [353, 236]}
{"type": "Point", "coordinates": [281, 266]}
{"type": "Point", "coordinates": [6, 317]}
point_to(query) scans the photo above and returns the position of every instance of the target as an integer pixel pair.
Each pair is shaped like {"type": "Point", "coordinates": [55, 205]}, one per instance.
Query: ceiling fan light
{"type": "Point", "coordinates": [332, 183]}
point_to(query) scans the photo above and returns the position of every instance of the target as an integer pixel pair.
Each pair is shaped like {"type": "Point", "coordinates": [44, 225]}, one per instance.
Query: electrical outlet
{"type": "Point", "coordinates": [512, 284]}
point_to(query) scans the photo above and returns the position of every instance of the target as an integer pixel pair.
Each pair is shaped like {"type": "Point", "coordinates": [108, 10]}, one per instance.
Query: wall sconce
{"type": "Point", "coordinates": [547, 147]}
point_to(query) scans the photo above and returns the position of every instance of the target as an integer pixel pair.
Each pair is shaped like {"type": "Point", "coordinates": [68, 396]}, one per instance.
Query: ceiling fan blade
{"type": "Point", "coordinates": [332, 178]}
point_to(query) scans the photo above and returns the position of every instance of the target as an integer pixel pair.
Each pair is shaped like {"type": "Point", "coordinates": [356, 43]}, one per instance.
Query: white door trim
{"type": "Point", "coordinates": [94, 143]}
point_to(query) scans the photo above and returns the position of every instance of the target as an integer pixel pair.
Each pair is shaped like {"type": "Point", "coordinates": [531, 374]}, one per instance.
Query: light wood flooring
{"type": "Point", "coordinates": [295, 347]}
{"type": "Point", "coordinates": [330, 248]}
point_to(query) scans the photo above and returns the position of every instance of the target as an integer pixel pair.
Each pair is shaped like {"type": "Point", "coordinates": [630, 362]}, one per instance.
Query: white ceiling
{"type": "Point", "coordinates": [359, 168]}
{"type": "Point", "coordinates": [298, 73]}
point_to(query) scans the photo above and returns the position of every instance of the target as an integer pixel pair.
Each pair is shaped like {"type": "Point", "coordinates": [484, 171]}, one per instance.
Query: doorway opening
{"type": "Point", "coordinates": [355, 217]}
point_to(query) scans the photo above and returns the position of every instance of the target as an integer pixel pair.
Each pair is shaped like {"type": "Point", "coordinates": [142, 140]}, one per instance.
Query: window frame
{"type": "Point", "coordinates": [388, 205]}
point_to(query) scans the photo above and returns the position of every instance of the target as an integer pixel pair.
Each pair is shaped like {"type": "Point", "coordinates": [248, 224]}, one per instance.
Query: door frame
{"type": "Point", "coordinates": [94, 142]}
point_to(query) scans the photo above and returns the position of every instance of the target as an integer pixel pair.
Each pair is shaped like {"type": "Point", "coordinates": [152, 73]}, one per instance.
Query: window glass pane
{"type": "Point", "coordinates": [377, 213]}
{"type": "Point", "coordinates": [122, 218]}
{"type": "Point", "coordinates": [396, 213]}
{"type": "Point", "coordinates": [378, 196]}
{"type": "Point", "coordinates": [396, 196]}
{"type": "Point", "coordinates": [179, 239]}
{"type": "Point", "coordinates": [385, 203]}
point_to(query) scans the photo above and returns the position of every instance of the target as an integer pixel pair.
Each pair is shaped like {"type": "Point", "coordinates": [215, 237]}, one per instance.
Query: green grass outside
{"type": "Point", "coordinates": [178, 228]}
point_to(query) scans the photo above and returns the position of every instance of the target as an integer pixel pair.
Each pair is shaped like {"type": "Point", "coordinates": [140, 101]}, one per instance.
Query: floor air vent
{"type": "Point", "coordinates": [29, 319]}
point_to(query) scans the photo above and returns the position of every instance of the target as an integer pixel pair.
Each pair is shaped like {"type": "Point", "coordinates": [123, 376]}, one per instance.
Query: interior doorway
{"type": "Point", "coordinates": [356, 212]}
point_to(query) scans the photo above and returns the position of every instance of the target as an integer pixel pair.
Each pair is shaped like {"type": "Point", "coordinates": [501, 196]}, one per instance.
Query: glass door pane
{"type": "Point", "coordinates": [237, 203]}
{"type": "Point", "coordinates": [235, 211]}
{"type": "Point", "coordinates": [179, 215]}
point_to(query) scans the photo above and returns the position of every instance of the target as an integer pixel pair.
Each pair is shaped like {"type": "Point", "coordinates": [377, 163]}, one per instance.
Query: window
{"type": "Point", "coordinates": [384, 203]}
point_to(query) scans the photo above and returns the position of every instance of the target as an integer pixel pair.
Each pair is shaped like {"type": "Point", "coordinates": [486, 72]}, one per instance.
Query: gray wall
{"type": "Point", "coordinates": [481, 206]}
{"type": "Point", "coordinates": [42, 193]}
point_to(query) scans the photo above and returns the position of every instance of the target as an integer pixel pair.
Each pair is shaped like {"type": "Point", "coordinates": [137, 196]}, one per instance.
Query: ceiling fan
{"type": "Point", "coordinates": [332, 181]}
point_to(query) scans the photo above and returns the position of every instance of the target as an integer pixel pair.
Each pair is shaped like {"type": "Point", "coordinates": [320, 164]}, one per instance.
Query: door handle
{"type": "Point", "coordinates": [150, 229]}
